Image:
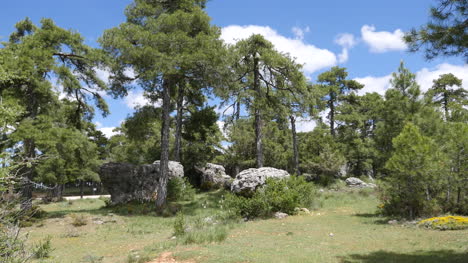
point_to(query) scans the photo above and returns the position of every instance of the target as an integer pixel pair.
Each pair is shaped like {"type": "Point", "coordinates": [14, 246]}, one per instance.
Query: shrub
{"type": "Point", "coordinates": [276, 196]}
{"type": "Point", "coordinates": [179, 225]}
{"type": "Point", "coordinates": [43, 248]}
{"type": "Point", "coordinates": [12, 244]}
{"type": "Point", "coordinates": [179, 189]}
{"type": "Point", "coordinates": [78, 220]}
{"type": "Point", "coordinates": [445, 223]}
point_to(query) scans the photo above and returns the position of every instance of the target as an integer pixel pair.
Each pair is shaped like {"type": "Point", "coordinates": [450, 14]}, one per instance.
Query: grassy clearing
{"type": "Point", "coordinates": [344, 229]}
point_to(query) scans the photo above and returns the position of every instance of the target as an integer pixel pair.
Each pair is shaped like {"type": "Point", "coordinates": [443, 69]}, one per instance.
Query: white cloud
{"type": "Point", "coordinates": [138, 99]}
{"type": "Point", "coordinates": [108, 131]}
{"type": "Point", "coordinates": [383, 41]}
{"type": "Point", "coordinates": [221, 128]}
{"type": "Point", "coordinates": [425, 76]}
{"type": "Point", "coordinates": [305, 125]}
{"type": "Point", "coordinates": [311, 57]}
{"type": "Point", "coordinates": [346, 41]}
{"type": "Point", "coordinates": [300, 32]}
{"type": "Point", "coordinates": [343, 56]}
{"type": "Point", "coordinates": [374, 84]}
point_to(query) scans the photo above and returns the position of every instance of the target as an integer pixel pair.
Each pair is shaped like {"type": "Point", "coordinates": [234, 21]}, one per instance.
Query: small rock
{"type": "Point", "coordinates": [393, 222]}
{"type": "Point", "coordinates": [331, 234]}
{"type": "Point", "coordinates": [355, 182]}
{"type": "Point", "coordinates": [280, 215]}
{"type": "Point", "coordinates": [321, 190]}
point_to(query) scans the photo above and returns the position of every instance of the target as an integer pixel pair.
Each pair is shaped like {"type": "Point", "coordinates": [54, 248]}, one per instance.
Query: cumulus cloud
{"type": "Point", "coordinates": [300, 32]}
{"type": "Point", "coordinates": [346, 41]}
{"type": "Point", "coordinates": [382, 41]}
{"type": "Point", "coordinates": [221, 128]}
{"type": "Point", "coordinates": [311, 57]}
{"type": "Point", "coordinates": [424, 77]}
{"type": "Point", "coordinates": [108, 131]}
{"type": "Point", "coordinates": [305, 125]}
{"type": "Point", "coordinates": [374, 84]}
{"type": "Point", "coordinates": [137, 99]}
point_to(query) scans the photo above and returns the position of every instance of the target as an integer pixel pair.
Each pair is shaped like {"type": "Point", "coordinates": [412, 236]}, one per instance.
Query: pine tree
{"type": "Point", "coordinates": [445, 96]}
{"type": "Point", "coordinates": [163, 43]}
{"type": "Point", "coordinates": [38, 53]}
{"type": "Point", "coordinates": [415, 169]}
{"type": "Point", "coordinates": [262, 78]}
{"type": "Point", "coordinates": [334, 87]}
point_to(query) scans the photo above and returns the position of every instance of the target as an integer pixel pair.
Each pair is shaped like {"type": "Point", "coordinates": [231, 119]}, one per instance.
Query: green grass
{"type": "Point", "coordinates": [359, 235]}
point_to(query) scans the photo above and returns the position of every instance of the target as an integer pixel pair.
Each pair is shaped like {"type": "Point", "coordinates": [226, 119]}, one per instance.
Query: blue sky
{"type": "Point", "coordinates": [361, 35]}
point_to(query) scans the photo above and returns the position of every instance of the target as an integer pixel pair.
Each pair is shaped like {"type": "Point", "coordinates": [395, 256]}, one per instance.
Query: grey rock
{"type": "Point", "coordinates": [127, 182]}
{"type": "Point", "coordinates": [343, 172]}
{"type": "Point", "coordinates": [393, 222]}
{"type": "Point", "coordinates": [280, 215]}
{"type": "Point", "coordinates": [214, 176]}
{"type": "Point", "coordinates": [358, 183]}
{"type": "Point", "coordinates": [175, 169]}
{"type": "Point", "coordinates": [247, 181]}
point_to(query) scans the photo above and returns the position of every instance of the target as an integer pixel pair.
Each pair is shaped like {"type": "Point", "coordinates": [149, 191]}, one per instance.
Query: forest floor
{"type": "Point", "coordinates": [344, 228]}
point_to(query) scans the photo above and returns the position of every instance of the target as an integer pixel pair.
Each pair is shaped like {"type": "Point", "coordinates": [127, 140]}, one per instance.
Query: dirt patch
{"type": "Point", "coordinates": [166, 257]}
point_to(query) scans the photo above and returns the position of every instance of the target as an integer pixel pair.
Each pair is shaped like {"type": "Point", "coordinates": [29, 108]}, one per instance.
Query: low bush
{"type": "Point", "coordinates": [78, 220]}
{"type": "Point", "coordinates": [43, 248]}
{"type": "Point", "coordinates": [276, 196]}
{"type": "Point", "coordinates": [179, 189]}
{"type": "Point", "coordinates": [445, 223]}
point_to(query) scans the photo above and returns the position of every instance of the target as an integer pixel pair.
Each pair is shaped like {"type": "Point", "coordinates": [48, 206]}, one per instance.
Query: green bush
{"type": "Point", "coordinates": [179, 225]}
{"type": "Point", "coordinates": [276, 196]}
{"type": "Point", "coordinates": [179, 189]}
{"type": "Point", "coordinates": [78, 220]}
{"type": "Point", "coordinates": [43, 248]}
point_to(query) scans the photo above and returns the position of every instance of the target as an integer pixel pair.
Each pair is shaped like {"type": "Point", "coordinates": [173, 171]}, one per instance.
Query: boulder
{"type": "Point", "coordinates": [127, 182]}
{"type": "Point", "coordinates": [247, 181]}
{"type": "Point", "coordinates": [214, 176]}
{"type": "Point", "coordinates": [280, 215]}
{"type": "Point", "coordinates": [358, 183]}
{"type": "Point", "coordinates": [175, 169]}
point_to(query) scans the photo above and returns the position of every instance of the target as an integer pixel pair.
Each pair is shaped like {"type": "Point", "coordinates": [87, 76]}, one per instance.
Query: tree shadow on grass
{"type": "Point", "coordinates": [439, 256]}
{"type": "Point", "coordinates": [208, 200]}
{"type": "Point", "coordinates": [374, 218]}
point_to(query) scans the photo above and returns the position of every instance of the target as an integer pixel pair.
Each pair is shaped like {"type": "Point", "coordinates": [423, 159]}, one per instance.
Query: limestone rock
{"type": "Point", "coordinates": [127, 182]}
{"type": "Point", "coordinates": [358, 183]}
{"type": "Point", "coordinates": [247, 181]}
{"type": "Point", "coordinates": [214, 176]}
{"type": "Point", "coordinates": [175, 169]}
{"type": "Point", "coordinates": [280, 215]}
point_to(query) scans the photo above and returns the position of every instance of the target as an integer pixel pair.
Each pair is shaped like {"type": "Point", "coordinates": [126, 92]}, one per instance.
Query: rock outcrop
{"type": "Point", "coordinates": [214, 176]}
{"type": "Point", "coordinates": [247, 181]}
{"type": "Point", "coordinates": [358, 183]}
{"type": "Point", "coordinates": [127, 182]}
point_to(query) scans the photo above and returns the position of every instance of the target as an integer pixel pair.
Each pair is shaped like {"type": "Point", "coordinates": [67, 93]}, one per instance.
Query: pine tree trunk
{"type": "Point", "coordinates": [332, 114]}
{"type": "Point", "coordinates": [164, 162]}
{"type": "Point", "coordinates": [236, 118]}
{"type": "Point", "coordinates": [178, 132]}
{"type": "Point", "coordinates": [446, 105]}
{"type": "Point", "coordinates": [57, 192]}
{"type": "Point", "coordinates": [258, 117]}
{"type": "Point", "coordinates": [295, 149]}
{"type": "Point", "coordinates": [30, 155]}
{"type": "Point", "coordinates": [81, 189]}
